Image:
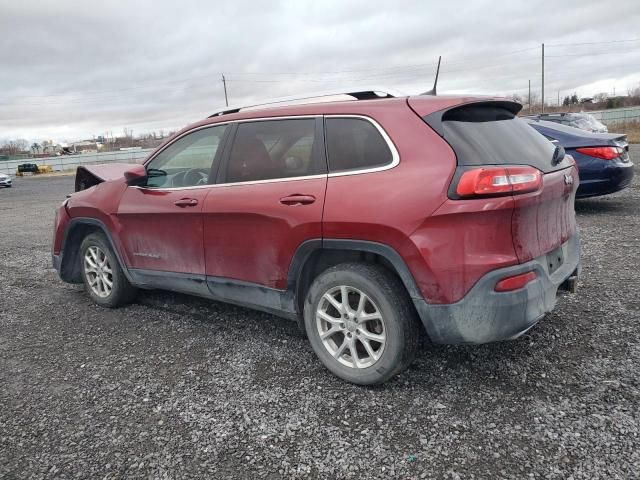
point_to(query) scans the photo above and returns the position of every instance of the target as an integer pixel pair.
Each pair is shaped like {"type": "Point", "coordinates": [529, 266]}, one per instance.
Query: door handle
{"type": "Point", "coordinates": [186, 202]}
{"type": "Point", "coordinates": [297, 199]}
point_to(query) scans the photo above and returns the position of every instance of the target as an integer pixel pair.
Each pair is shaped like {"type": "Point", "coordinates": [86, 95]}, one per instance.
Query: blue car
{"type": "Point", "coordinates": [603, 158]}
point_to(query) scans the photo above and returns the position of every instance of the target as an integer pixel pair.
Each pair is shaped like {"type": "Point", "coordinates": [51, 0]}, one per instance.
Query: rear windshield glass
{"type": "Point", "coordinates": [491, 135]}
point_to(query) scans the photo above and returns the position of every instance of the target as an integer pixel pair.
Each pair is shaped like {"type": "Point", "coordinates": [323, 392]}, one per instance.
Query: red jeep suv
{"type": "Point", "coordinates": [364, 220]}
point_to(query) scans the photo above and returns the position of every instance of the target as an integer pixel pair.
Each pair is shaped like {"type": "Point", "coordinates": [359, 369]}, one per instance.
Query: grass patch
{"type": "Point", "coordinates": [630, 129]}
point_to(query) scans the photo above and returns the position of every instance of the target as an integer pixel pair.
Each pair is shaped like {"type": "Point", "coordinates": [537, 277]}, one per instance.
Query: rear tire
{"type": "Point", "coordinates": [102, 275]}
{"type": "Point", "coordinates": [370, 337]}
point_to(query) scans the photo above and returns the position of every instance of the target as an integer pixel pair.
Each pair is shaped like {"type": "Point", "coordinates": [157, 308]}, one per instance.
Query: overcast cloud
{"type": "Point", "coordinates": [73, 69]}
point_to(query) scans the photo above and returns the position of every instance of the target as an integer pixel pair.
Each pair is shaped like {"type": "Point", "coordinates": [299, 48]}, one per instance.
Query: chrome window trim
{"type": "Point", "coordinates": [234, 184]}
{"type": "Point", "coordinates": [395, 156]}
{"type": "Point", "coordinates": [395, 161]}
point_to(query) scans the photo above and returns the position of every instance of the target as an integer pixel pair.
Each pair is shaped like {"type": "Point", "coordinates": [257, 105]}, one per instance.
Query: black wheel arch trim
{"type": "Point", "coordinates": [307, 248]}
{"type": "Point", "coordinates": [93, 222]}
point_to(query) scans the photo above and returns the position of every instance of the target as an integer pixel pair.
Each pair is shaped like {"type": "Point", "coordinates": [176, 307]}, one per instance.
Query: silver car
{"type": "Point", "coordinates": [5, 180]}
{"type": "Point", "coordinates": [583, 121]}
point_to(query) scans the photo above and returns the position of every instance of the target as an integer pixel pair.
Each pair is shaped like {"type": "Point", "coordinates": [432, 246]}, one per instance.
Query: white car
{"type": "Point", "coordinates": [5, 180]}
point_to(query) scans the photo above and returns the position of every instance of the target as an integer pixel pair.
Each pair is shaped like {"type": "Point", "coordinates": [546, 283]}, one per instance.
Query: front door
{"type": "Point", "coordinates": [268, 200]}
{"type": "Point", "coordinates": [161, 220]}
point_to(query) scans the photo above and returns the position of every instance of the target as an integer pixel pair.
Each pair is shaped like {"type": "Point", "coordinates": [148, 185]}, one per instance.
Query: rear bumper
{"type": "Point", "coordinates": [612, 178]}
{"type": "Point", "coordinates": [485, 315]}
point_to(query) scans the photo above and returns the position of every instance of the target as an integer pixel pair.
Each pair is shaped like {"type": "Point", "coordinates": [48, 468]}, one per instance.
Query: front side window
{"type": "Point", "coordinates": [186, 162]}
{"type": "Point", "coordinates": [355, 144]}
{"type": "Point", "coordinates": [271, 149]}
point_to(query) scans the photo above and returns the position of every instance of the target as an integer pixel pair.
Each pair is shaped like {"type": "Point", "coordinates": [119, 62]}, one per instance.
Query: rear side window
{"type": "Point", "coordinates": [491, 135]}
{"type": "Point", "coordinates": [274, 149]}
{"type": "Point", "coordinates": [355, 144]}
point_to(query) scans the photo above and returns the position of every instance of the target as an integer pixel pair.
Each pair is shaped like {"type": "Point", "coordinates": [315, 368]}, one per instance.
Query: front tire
{"type": "Point", "coordinates": [102, 275]}
{"type": "Point", "coordinates": [361, 324]}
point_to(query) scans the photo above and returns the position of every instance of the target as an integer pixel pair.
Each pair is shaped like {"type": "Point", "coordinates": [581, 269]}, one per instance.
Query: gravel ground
{"type": "Point", "coordinates": [175, 386]}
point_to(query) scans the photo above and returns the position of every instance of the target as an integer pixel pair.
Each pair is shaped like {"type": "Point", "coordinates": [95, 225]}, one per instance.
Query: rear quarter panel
{"type": "Point", "coordinates": [388, 206]}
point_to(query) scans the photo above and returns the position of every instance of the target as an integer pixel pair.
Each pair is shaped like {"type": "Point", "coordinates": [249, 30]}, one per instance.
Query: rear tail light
{"type": "Point", "coordinates": [516, 282]}
{"type": "Point", "coordinates": [605, 153]}
{"type": "Point", "coordinates": [488, 181]}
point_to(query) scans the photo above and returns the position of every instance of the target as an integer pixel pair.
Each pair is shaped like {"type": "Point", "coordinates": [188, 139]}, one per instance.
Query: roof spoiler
{"type": "Point", "coordinates": [434, 120]}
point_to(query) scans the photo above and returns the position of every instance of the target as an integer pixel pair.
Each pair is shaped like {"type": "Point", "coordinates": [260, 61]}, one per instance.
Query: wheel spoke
{"type": "Point", "coordinates": [372, 336]}
{"type": "Point", "coordinates": [361, 304]}
{"type": "Point", "coordinates": [354, 353]}
{"type": "Point", "coordinates": [89, 261]}
{"type": "Point", "coordinates": [367, 347]}
{"type": "Point", "coordinates": [367, 317]}
{"type": "Point", "coordinates": [107, 282]}
{"type": "Point", "coordinates": [341, 348]}
{"type": "Point", "coordinates": [330, 332]}
{"type": "Point", "coordinates": [344, 293]}
{"type": "Point", "coordinates": [337, 305]}
{"type": "Point", "coordinates": [328, 318]}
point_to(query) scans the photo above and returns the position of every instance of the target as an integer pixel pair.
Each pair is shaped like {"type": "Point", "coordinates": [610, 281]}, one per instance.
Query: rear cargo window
{"type": "Point", "coordinates": [355, 144]}
{"type": "Point", "coordinates": [493, 135]}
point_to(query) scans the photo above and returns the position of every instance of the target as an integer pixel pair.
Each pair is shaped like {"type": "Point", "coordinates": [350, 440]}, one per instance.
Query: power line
{"type": "Point", "coordinates": [591, 54]}
{"type": "Point", "coordinates": [263, 74]}
{"type": "Point", "coordinates": [397, 73]}
{"type": "Point", "coordinates": [592, 43]}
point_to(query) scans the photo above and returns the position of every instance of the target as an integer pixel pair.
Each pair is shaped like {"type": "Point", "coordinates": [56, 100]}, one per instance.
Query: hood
{"type": "Point", "coordinates": [89, 175]}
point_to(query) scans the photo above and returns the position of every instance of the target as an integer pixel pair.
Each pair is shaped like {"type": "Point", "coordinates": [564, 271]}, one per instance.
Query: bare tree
{"type": "Point", "coordinates": [600, 97]}
{"type": "Point", "coordinates": [13, 147]}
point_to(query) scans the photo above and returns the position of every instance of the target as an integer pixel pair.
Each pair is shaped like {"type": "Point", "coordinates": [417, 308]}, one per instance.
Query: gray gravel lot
{"type": "Point", "coordinates": [175, 386]}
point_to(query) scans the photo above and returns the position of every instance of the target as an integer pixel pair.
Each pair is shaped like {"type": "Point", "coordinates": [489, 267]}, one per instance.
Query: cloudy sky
{"type": "Point", "coordinates": [73, 69]}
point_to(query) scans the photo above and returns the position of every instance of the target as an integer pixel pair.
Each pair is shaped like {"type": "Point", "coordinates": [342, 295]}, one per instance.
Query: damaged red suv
{"type": "Point", "coordinates": [369, 221]}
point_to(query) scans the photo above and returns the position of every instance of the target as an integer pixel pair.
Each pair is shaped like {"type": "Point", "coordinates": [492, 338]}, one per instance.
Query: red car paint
{"type": "Point", "coordinates": [250, 235]}
{"type": "Point", "coordinates": [246, 232]}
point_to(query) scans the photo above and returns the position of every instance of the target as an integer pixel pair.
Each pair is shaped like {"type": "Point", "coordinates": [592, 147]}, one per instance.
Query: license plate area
{"type": "Point", "coordinates": [555, 259]}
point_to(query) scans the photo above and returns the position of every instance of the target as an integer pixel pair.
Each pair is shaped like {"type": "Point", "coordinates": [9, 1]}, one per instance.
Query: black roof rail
{"type": "Point", "coordinates": [358, 94]}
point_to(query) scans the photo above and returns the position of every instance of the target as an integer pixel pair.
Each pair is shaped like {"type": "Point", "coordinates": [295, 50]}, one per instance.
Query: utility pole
{"type": "Point", "coordinates": [224, 85]}
{"type": "Point", "coordinates": [543, 78]}
{"type": "Point", "coordinates": [529, 96]}
{"type": "Point", "coordinates": [558, 97]}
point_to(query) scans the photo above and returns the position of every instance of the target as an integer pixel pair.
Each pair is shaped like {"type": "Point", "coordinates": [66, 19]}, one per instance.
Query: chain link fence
{"type": "Point", "coordinates": [71, 162]}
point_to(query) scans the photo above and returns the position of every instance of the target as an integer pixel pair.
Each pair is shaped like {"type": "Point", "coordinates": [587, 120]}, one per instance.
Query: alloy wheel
{"type": "Point", "coordinates": [98, 271]}
{"type": "Point", "coordinates": [351, 327]}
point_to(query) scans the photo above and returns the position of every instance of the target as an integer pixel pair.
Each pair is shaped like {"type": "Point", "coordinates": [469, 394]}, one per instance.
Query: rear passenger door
{"type": "Point", "coordinates": [267, 201]}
